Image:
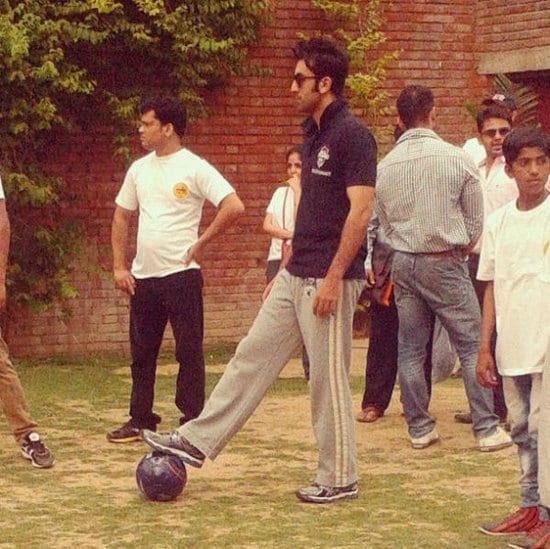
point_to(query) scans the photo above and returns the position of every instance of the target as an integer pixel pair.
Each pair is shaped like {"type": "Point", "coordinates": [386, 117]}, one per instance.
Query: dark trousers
{"type": "Point", "coordinates": [381, 365]}
{"type": "Point", "coordinates": [479, 286]}
{"type": "Point", "coordinates": [176, 298]}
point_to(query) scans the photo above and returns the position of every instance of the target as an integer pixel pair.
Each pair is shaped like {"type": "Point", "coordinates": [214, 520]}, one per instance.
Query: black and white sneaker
{"type": "Point", "coordinates": [33, 449]}
{"type": "Point", "coordinates": [175, 444]}
{"type": "Point", "coordinates": [129, 432]}
{"type": "Point", "coordinates": [317, 493]}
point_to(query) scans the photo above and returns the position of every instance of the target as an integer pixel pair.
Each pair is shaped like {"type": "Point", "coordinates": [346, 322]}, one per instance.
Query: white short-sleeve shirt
{"type": "Point", "coordinates": [2, 195]}
{"type": "Point", "coordinates": [169, 192]}
{"type": "Point", "coordinates": [281, 207]}
{"type": "Point", "coordinates": [475, 149]}
{"type": "Point", "coordinates": [497, 187]}
{"type": "Point", "coordinates": [515, 255]}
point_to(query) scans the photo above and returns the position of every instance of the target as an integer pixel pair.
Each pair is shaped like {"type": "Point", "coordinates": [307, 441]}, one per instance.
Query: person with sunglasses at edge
{"type": "Point", "coordinates": [279, 222]}
{"type": "Point", "coordinates": [494, 123]}
{"type": "Point", "coordinates": [473, 146]}
{"type": "Point", "coordinates": [313, 296]}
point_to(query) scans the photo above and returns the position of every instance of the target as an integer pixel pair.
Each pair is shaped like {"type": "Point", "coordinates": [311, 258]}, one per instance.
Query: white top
{"type": "Point", "coordinates": [475, 149]}
{"type": "Point", "coordinates": [169, 192]}
{"type": "Point", "coordinates": [515, 255]}
{"type": "Point", "coordinates": [2, 195]}
{"type": "Point", "coordinates": [281, 207]}
{"type": "Point", "coordinates": [497, 188]}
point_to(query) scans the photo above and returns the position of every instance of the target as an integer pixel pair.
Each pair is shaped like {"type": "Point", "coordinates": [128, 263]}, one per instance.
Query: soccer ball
{"type": "Point", "coordinates": [161, 477]}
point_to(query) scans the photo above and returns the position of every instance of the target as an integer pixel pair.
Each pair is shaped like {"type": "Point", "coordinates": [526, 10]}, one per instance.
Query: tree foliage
{"type": "Point", "coordinates": [525, 98]}
{"type": "Point", "coordinates": [358, 24]}
{"type": "Point", "coordinates": [75, 63]}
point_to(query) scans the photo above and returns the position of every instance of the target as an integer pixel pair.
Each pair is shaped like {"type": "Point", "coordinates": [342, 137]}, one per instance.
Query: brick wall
{"type": "Point", "coordinates": [506, 26]}
{"type": "Point", "coordinates": [251, 124]}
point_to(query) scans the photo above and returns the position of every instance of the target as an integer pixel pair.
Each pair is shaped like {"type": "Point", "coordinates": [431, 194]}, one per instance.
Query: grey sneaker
{"type": "Point", "coordinates": [33, 449]}
{"type": "Point", "coordinates": [317, 493]}
{"type": "Point", "coordinates": [497, 441]}
{"type": "Point", "coordinates": [175, 444]}
{"type": "Point", "coordinates": [419, 443]}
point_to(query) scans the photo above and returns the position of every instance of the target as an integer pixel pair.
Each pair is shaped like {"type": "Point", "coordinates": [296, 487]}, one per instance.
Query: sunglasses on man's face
{"type": "Point", "coordinates": [493, 131]}
{"type": "Point", "coordinates": [300, 78]}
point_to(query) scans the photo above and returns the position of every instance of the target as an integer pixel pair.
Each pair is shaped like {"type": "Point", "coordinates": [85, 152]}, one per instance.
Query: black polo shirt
{"type": "Point", "coordinates": [339, 154]}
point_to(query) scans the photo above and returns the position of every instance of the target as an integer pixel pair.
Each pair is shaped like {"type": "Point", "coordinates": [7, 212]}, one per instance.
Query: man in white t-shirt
{"type": "Point", "coordinates": [515, 263]}
{"type": "Point", "coordinates": [168, 187]}
{"type": "Point", "coordinates": [12, 396]}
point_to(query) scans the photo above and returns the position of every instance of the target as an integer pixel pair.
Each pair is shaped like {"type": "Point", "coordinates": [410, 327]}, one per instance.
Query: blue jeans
{"type": "Point", "coordinates": [522, 394]}
{"type": "Point", "coordinates": [437, 284]}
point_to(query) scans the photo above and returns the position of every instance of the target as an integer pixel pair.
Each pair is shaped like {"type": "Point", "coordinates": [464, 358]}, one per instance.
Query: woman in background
{"type": "Point", "coordinates": [279, 221]}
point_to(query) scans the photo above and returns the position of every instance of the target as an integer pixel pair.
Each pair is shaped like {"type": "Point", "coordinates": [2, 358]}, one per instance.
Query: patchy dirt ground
{"type": "Point", "coordinates": [90, 466]}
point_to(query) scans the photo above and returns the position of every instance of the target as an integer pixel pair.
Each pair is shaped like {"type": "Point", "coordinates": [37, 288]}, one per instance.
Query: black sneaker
{"type": "Point", "coordinates": [129, 432]}
{"type": "Point", "coordinates": [317, 493]}
{"type": "Point", "coordinates": [33, 449]}
{"type": "Point", "coordinates": [175, 444]}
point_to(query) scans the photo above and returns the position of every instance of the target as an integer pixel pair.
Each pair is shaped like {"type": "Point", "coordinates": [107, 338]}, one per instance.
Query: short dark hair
{"type": "Point", "coordinates": [525, 136]}
{"type": "Point", "coordinates": [493, 111]}
{"type": "Point", "coordinates": [295, 149]}
{"type": "Point", "coordinates": [168, 110]}
{"type": "Point", "coordinates": [414, 105]}
{"type": "Point", "coordinates": [323, 56]}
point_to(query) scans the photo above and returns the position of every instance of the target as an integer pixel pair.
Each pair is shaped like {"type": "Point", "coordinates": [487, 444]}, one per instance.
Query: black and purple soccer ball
{"type": "Point", "coordinates": [161, 477]}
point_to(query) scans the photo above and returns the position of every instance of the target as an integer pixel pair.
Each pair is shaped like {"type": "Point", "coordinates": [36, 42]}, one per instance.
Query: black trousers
{"type": "Point", "coordinates": [479, 286]}
{"type": "Point", "coordinates": [176, 298]}
{"type": "Point", "coordinates": [381, 365]}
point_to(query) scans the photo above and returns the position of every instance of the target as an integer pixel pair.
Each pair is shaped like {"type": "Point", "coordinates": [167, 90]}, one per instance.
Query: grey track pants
{"type": "Point", "coordinates": [285, 318]}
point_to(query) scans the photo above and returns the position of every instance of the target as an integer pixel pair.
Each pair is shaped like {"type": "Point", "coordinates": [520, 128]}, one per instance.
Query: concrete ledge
{"type": "Point", "coordinates": [524, 60]}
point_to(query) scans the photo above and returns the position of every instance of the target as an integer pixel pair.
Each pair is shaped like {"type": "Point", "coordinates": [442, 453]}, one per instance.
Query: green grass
{"type": "Point", "coordinates": [408, 499]}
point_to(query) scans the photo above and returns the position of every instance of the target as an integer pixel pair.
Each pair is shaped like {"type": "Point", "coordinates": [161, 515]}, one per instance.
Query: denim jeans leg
{"type": "Point", "coordinates": [522, 395]}
{"type": "Point", "coordinates": [414, 333]}
{"type": "Point", "coordinates": [544, 438]}
{"type": "Point", "coordinates": [148, 320]}
{"type": "Point", "coordinates": [447, 289]}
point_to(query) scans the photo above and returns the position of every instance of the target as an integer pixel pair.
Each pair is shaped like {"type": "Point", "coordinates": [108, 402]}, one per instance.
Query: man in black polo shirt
{"type": "Point", "coordinates": [312, 298]}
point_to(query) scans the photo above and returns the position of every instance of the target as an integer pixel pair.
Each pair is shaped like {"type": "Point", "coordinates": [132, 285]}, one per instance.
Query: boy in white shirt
{"type": "Point", "coordinates": [515, 262]}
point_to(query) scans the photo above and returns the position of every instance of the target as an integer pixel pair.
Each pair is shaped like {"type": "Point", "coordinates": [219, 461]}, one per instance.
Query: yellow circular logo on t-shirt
{"type": "Point", "coordinates": [180, 190]}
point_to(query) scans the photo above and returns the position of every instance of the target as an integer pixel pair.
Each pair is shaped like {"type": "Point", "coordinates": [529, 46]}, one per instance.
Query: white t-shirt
{"type": "Point", "coordinates": [475, 149]}
{"type": "Point", "coordinates": [2, 195]}
{"type": "Point", "coordinates": [170, 192]}
{"type": "Point", "coordinates": [497, 188]}
{"type": "Point", "coordinates": [281, 207]}
{"type": "Point", "coordinates": [515, 255]}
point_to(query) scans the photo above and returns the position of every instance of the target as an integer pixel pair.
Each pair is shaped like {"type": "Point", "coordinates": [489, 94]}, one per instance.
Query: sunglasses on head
{"type": "Point", "coordinates": [493, 131]}
{"type": "Point", "coordinates": [300, 78]}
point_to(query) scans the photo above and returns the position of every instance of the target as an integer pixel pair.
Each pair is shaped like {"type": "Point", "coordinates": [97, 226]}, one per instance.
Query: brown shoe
{"type": "Point", "coordinates": [369, 414]}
